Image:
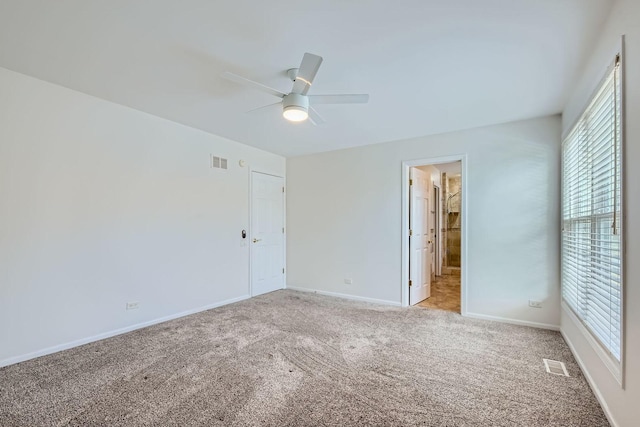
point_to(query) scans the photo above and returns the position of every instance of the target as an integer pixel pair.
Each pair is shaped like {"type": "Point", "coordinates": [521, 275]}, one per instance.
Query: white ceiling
{"type": "Point", "coordinates": [430, 66]}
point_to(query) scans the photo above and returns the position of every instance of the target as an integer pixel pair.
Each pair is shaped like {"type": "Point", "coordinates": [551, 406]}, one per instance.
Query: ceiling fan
{"type": "Point", "coordinates": [297, 106]}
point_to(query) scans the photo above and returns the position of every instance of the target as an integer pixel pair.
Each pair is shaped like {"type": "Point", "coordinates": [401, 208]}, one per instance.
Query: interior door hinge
{"type": "Point", "coordinates": [282, 230]}
{"type": "Point", "coordinates": [410, 232]}
{"type": "Point", "coordinates": [410, 182]}
{"type": "Point", "coordinates": [283, 271]}
{"type": "Point", "coordinates": [283, 189]}
{"type": "Point", "coordinates": [410, 283]}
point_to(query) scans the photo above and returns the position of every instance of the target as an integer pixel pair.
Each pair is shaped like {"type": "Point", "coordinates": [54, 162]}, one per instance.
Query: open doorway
{"type": "Point", "coordinates": [433, 247]}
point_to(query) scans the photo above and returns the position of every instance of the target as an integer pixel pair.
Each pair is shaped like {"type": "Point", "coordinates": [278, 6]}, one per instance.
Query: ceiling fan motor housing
{"type": "Point", "coordinates": [295, 100]}
{"type": "Point", "coordinates": [295, 107]}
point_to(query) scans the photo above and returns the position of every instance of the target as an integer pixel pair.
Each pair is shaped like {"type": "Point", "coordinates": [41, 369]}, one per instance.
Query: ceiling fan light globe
{"type": "Point", "coordinates": [295, 113]}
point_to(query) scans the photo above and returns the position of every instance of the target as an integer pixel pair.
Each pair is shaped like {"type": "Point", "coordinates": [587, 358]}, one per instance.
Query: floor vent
{"type": "Point", "coordinates": [555, 367]}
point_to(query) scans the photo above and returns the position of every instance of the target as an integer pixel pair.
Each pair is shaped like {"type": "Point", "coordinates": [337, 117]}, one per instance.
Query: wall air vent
{"type": "Point", "coordinates": [218, 162]}
{"type": "Point", "coordinates": [555, 367]}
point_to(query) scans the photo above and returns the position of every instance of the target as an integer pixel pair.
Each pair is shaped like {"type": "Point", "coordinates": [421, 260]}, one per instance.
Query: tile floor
{"type": "Point", "coordinates": [445, 294]}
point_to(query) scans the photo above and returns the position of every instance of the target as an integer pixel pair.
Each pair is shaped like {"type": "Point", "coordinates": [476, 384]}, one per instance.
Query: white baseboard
{"type": "Point", "coordinates": [346, 296]}
{"type": "Point", "coordinates": [592, 384]}
{"type": "Point", "coordinates": [513, 321]}
{"type": "Point", "coordinates": [87, 340]}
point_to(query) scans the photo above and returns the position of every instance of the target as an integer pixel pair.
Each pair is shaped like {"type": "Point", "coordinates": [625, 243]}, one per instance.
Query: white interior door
{"type": "Point", "coordinates": [267, 233]}
{"type": "Point", "coordinates": [420, 261]}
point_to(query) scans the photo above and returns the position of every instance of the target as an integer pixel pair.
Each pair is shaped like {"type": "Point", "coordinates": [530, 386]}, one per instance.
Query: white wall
{"type": "Point", "coordinates": [100, 205]}
{"type": "Point", "coordinates": [434, 173]}
{"type": "Point", "coordinates": [344, 218]}
{"type": "Point", "coordinates": [621, 404]}
{"type": "Point", "coordinates": [454, 168]}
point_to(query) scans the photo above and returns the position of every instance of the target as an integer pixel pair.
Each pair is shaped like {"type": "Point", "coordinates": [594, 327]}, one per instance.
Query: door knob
{"type": "Point", "coordinates": [256, 240]}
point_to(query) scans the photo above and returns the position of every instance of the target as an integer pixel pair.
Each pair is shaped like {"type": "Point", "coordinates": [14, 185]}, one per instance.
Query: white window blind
{"type": "Point", "coordinates": [591, 215]}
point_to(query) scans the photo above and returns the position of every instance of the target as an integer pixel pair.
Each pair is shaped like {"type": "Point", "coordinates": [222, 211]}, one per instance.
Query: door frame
{"type": "Point", "coordinates": [250, 228]}
{"type": "Point", "coordinates": [438, 227]}
{"type": "Point", "coordinates": [465, 213]}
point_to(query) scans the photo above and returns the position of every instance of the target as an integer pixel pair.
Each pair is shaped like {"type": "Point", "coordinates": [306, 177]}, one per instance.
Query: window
{"type": "Point", "coordinates": [591, 215]}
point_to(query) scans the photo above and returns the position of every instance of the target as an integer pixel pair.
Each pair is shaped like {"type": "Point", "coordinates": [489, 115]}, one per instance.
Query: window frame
{"type": "Point", "coordinates": [615, 366]}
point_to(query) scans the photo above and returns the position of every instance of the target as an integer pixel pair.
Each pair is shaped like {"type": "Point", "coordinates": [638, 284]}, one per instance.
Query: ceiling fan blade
{"type": "Point", "coordinates": [315, 118]}
{"type": "Point", "coordinates": [306, 73]}
{"type": "Point", "coordinates": [339, 99]}
{"type": "Point", "coordinates": [263, 107]}
{"type": "Point", "coordinates": [246, 82]}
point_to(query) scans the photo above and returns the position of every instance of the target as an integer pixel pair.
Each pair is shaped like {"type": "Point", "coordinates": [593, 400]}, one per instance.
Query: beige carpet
{"type": "Point", "coordinates": [298, 359]}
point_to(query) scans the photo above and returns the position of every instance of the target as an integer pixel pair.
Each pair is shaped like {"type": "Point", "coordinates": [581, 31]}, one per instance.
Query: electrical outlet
{"type": "Point", "coordinates": [348, 281]}
{"type": "Point", "coordinates": [132, 305]}
{"type": "Point", "coordinates": [535, 304]}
